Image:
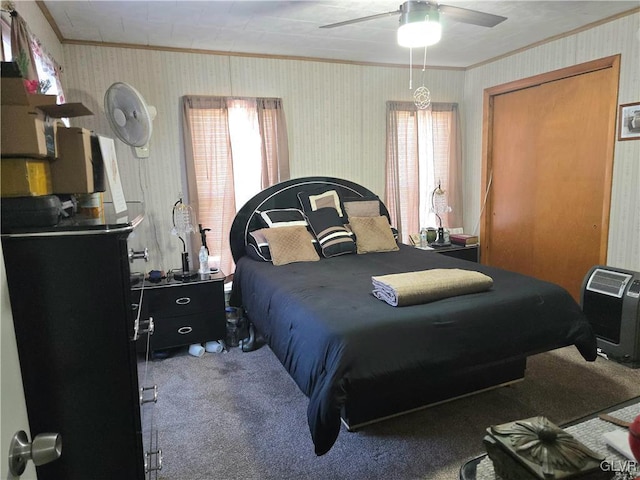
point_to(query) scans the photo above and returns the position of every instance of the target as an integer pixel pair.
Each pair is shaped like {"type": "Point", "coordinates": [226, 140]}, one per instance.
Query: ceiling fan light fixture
{"type": "Point", "coordinates": [419, 34]}
{"type": "Point", "coordinates": [419, 26]}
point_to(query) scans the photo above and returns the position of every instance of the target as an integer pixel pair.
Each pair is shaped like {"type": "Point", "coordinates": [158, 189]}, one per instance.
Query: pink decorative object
{"type": "Point", "coordinates": [31, 86]}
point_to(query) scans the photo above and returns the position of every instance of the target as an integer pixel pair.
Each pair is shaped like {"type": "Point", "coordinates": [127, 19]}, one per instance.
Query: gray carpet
{"type": "Point", "coordinates": [239, 415]}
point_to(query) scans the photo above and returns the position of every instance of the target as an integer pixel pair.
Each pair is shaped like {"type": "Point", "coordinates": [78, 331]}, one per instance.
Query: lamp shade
{"type": "Point", "coordinates": [419, 34]}
{"type": "Point", "coordinates": [183, 219]}
{"type": "Point", "coordinates": [419, 25]}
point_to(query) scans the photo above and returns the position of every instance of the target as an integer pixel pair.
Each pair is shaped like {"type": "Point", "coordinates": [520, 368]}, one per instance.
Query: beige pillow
{"type": "Point", "coordinates": [373, 234]}
{"type": "Point", "coordinates": [363, 208]}
{"type": "Point", "coordinates": [290, 244]}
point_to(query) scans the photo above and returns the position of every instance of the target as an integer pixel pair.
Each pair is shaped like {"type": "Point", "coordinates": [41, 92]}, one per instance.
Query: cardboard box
{"type": "Point", "coordinates": [28, 121]}
{"type": "Point", "coordinates": [38, 100]}
{"type": "Point", "coordinates": [25, 177]}
{"type": "Point", "coordinates": [72, 172]}
{"type": "Point", "coordinates": [31, 131]}
{"type": "Point", "coordinates": [13, 91]}
{"type": "Point", "coordinates": [26, 132]}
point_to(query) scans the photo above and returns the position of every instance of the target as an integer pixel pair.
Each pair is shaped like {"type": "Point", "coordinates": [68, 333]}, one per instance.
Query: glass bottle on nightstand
{"type": "Point", "coordinates": [423, 238]}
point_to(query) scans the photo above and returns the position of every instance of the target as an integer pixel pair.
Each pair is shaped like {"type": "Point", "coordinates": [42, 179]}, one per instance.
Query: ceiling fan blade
{"type": "Point", "coordinates": [361, 19]}
{"type": "Point", "coordinates": [473, 17]}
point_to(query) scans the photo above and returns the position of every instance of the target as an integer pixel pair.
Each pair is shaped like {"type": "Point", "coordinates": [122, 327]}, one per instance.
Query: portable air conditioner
{"type": "Point", "coordinates": [610, 299]}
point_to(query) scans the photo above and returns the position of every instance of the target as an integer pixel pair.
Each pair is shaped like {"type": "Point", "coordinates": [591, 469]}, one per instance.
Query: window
{"type": "Point", "coordinates": [246, 147]}
{"type": "Point", "coordinates": [5, 26]}
{"type": "Point", "coordinates": [422, 152]}
{"type": "Point", "coordinates": [46, 68]}
{"type": "Point", "coordinates": [234, 148]}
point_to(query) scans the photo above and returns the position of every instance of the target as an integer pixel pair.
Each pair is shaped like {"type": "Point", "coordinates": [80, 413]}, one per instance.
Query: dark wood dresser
{"type": "Point", "coordinates": [70, 293]}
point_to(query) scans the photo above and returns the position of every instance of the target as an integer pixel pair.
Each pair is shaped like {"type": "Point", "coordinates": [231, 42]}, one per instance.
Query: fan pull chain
{"type": "Point", "coordinates": [424, 64]}
{"type": "Point", "coordinates": [410, 68]}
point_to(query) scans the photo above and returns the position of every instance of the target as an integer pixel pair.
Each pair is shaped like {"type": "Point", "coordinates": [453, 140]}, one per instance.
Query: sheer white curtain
{"type": "Point", "coordinates": [423, 150]}
{"type": "Point", "coordinates": [48, 69]}
{"type": "Point", "coordinates": [234, 148]}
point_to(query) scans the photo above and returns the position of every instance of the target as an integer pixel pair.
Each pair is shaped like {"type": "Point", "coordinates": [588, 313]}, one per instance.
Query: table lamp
{"type": "Point", "coordinates": [439, 206]}
{"type": "Point", "coordinates": [183, 224]}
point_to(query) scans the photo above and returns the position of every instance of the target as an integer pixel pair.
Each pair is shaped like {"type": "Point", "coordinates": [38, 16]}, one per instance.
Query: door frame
{"type": "Point", "coordinates": [13, 409]}
{"type": "Point", "coordinates": [487, 147]}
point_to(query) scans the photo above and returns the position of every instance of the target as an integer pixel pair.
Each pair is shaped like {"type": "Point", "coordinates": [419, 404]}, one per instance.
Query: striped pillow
{"type": "Point", "coordinates": [333, 237]}
{"type": "Point", "coordinates": [317, 199]}
{"type": "Point", "coordinates": [283, 217]}
{"type": "Point", "coordinates": [257, 246]}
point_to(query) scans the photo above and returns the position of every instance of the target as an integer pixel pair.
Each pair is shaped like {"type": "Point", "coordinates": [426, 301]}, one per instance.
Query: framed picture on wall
{"type": "Point", "coordinates": [629, 121]}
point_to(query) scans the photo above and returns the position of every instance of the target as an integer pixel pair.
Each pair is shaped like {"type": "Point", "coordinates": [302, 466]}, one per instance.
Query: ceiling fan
{"type": "Point", "coordinates": [420, 21]}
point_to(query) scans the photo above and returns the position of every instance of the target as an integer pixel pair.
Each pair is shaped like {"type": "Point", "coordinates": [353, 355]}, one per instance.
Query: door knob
{"type": "Point", "coordinates": [45, 448]}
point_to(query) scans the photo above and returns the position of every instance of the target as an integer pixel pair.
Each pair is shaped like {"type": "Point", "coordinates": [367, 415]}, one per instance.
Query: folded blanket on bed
{"type": "Point", "coordinates": [412, 288]}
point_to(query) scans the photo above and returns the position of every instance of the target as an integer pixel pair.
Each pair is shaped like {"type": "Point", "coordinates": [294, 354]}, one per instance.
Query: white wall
{"type": "Point", "coordinates": [335, 117]}
{"type": "Point", "coordinates": [621, 36]}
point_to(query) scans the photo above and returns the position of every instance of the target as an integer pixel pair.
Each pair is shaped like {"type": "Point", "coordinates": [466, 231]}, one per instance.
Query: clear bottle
{"type": "Point", "coordinates": [423, 238]}
{"type": "Point", "coordinates": [203, 257]}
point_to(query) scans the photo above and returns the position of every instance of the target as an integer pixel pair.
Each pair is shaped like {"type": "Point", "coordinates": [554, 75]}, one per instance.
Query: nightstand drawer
{"type": "Point", "coordinates": [178, 300]}
{"type": "Point", "coordinates": [470, 253]}
{"type": "Point", "coordinates": [183, 330]}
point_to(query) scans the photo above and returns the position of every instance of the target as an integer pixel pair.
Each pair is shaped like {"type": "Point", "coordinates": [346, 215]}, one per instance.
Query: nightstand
{"type": "Point", "coordinates": [183, 312]}
{"type": "Point", "coordinates": [469, 252]}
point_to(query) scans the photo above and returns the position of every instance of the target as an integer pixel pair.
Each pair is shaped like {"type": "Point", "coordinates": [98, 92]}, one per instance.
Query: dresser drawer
{"type": "Point", "coordinates": [183, 330]}
{"type": "Point", "coordinates": [179, 300]}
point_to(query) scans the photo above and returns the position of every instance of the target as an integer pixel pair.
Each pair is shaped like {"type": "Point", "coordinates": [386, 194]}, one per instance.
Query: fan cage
{"type": "Point", "coordinates": [124, 102]}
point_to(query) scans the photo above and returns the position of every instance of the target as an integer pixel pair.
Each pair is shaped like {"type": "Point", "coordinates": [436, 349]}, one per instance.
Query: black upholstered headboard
{"type": "Point", "coordinates": [284, 195]}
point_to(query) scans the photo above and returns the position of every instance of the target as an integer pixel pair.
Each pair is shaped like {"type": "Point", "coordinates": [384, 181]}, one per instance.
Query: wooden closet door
{"type": "Point", "coordinates": [550, 173]}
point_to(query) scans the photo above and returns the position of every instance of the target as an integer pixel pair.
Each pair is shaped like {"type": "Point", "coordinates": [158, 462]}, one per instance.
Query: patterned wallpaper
{"type": "Point", "coordinates": [335, 117]}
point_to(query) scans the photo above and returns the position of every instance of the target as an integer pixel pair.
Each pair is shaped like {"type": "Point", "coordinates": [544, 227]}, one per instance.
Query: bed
{"type": "Point", "coordinates": [359, 359]}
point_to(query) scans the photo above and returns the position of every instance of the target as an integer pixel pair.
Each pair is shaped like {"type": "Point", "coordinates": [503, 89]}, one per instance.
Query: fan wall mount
{"type": "Point", "coordinates": [130, 117]}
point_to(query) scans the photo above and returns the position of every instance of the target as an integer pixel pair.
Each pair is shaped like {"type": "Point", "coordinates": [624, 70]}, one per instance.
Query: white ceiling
{"type": "Point", "coordinates": [290, 28]}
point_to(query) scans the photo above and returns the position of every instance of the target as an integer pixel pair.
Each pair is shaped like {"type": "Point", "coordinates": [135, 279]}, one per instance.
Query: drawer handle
{"type": "Point", "coordinates": [137, 330]}
{"type": "Point", "coordinates": [184, 330]}
{"type": "Point", "coordinates": [144, 398]}
{"type": "Point", "coordinates": [183, 301]}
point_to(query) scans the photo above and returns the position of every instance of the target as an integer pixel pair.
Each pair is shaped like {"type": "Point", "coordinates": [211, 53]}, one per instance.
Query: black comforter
{"type": "Point", "coordinates": [323, 323]}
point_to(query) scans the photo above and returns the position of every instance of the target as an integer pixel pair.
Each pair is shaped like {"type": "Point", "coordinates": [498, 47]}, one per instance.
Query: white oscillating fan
{"type": "Point", "coordinates": [130, 117]}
